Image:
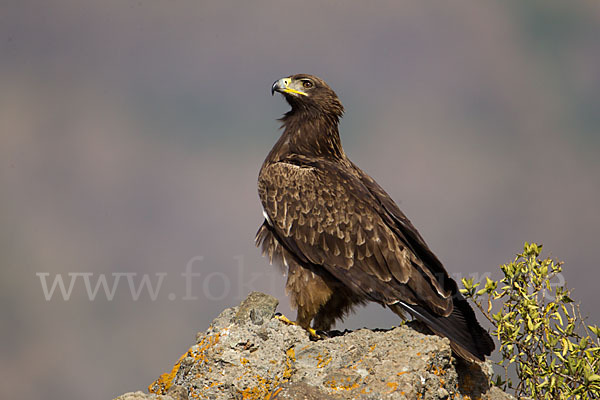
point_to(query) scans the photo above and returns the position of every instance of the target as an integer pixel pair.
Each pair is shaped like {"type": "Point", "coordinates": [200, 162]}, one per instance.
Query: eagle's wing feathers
{"type": "Point", "coordinates": [402, 226]}
{"type": "Point", "coordinates": [325, 215]}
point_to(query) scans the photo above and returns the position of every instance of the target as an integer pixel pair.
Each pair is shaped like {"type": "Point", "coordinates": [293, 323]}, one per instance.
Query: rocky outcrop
{"type": "Point", "coordinates": [246, 353]}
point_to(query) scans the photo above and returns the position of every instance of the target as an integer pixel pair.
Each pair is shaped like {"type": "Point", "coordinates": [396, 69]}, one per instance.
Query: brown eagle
{"type": "Point", "coordinates": [339, 235]}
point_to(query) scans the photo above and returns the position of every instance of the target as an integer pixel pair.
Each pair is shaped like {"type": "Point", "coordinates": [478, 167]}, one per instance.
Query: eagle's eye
{"type": "Point", "coordinates": [307, 84]}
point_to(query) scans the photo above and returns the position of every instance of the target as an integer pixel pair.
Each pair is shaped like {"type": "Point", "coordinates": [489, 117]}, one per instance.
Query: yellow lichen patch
{"type": "Point", "coordinates": [438, 371]}
{"type": "Point", "coordinates": [261, 391]}
{"type": "Point", "coordinates": [165, 381]}
{"type": "Point", "coordinates": [393, 386]}
{"type": "Point", "coordinates": [273, 394]}
{"type": "Point", "coordinates": [287, 372]}
{"type": "Point", "coordinates": [195, 393]}
{"type": "Point", "coordinates": [196, 352]}
{"type": "Point", "coordinates": [323, 361]}
{"type": "Point", "coordinates": [268, 388]}
{"type": "Point", "coordinates": [291, 354]}
{"type": "Point", "coordinates": [244, 361]}
{"type": "Point", "coordinates": [333, 384]}
{"type": "Point", "coordinates": [265, 389]}
{"type": "Point", "coordinates": [373, 347]}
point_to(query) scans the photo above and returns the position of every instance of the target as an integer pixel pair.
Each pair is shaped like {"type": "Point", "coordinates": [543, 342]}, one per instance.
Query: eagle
{"type": "Point", "coordinates": [340, 238]}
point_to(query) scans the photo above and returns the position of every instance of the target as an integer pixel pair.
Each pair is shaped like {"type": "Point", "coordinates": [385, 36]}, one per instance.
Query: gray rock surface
{"type": "Point", "coordinates": [246, 353]}
{"type": "Point", "coordinates": [142, 396]}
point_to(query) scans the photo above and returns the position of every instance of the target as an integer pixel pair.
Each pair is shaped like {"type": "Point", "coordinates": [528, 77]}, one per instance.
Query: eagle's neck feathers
{"type": "Point", "coordinates": [308, 134]}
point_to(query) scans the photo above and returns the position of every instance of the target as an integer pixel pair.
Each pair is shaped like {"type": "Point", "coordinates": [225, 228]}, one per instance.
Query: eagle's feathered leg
{"type": "Point", "coordinates": [308, 291]}
{"type": "Point", "coordinates": [337, 307]}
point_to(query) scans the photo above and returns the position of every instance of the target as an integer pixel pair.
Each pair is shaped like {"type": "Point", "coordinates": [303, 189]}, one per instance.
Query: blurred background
{"type": "Point", "coordinates": [132, 132]}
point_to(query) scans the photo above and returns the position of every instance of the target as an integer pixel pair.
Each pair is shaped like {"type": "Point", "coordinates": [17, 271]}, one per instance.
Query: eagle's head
{"type": "Point", "coordinates": [308, 93]}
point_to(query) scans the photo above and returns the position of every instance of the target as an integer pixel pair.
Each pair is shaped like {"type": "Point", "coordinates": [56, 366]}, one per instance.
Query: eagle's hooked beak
{"type": "Point", "coordinates": [283, 86]}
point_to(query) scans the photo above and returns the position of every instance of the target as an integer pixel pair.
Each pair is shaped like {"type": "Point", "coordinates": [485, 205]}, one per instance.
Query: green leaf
{"type": "Point", "coordinates": [558, 317]}
{"type": "Point", "coordinates": [497, 317]}
{"type": "Point", "coordinates": [594, 378]}
{"type": "Point", "coordinates": [490, 284]}
{"type": "Point", "coordinates": [566, 299]}
{"type": "Point", "coordinates": [467, 283]}
{"type": "Point", "coordinates": [565, 346]}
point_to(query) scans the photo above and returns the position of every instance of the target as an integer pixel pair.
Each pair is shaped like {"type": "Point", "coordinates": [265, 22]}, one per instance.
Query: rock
{"type": "Point", "coordinates": [442, 393]}
{"type": "Point", "coordinates": [258, 307]}
{"type": "Point", "coordinates": [302, 391]}
{"type": "Point", "coordinates": [142, 396]}
{"type": "Point", "coordinates": [248, 354]}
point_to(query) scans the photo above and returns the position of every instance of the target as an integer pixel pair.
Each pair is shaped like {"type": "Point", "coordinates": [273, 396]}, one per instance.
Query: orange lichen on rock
{"type": "Point", "coordinates": [291, 353]}
{"type": "Point", "coordinates": [323, 361]}
{"type": "Point", "coordinates": [437, 371]}
{"type": "Point", "coordinates": [273, 394]}
{"type": "Point", "coordinates": [195, 393]}
{"type": "Point", "coordinates": [393, 386]}
{"type": "Point", "coordinates": [268, 388]}
{"type": "Point", "coordinates": [261, 391]}
{"type": "Point", "coordinates": [165, 381]}
{"type": "Point", "coordinates": [333, 384]}
{"type": "Point", "coordinates": [196, 352]}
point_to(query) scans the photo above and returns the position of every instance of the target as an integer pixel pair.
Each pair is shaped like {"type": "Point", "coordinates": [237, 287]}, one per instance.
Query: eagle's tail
{"type": "Point", "coordinates": [467, 338]}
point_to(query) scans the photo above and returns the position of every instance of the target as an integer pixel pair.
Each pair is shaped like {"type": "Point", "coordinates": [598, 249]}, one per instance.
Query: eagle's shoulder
{"type": "Point", "coordinates": [286, 171]}
{"type": "Point", "coordinates": [312, 184]}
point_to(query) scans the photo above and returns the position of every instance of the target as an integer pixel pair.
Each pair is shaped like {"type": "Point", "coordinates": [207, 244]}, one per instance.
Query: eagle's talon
{"type": "Point", "coordinates": [323, 334]}
{"type": "Point", "coordinates": [314, 335]}
{"type": "Point", "coordinates": [284, 319]}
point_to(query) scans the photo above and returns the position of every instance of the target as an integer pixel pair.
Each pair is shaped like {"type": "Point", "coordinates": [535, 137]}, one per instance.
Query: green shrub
{"type": "Point", "coordinates": [542, 335]}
